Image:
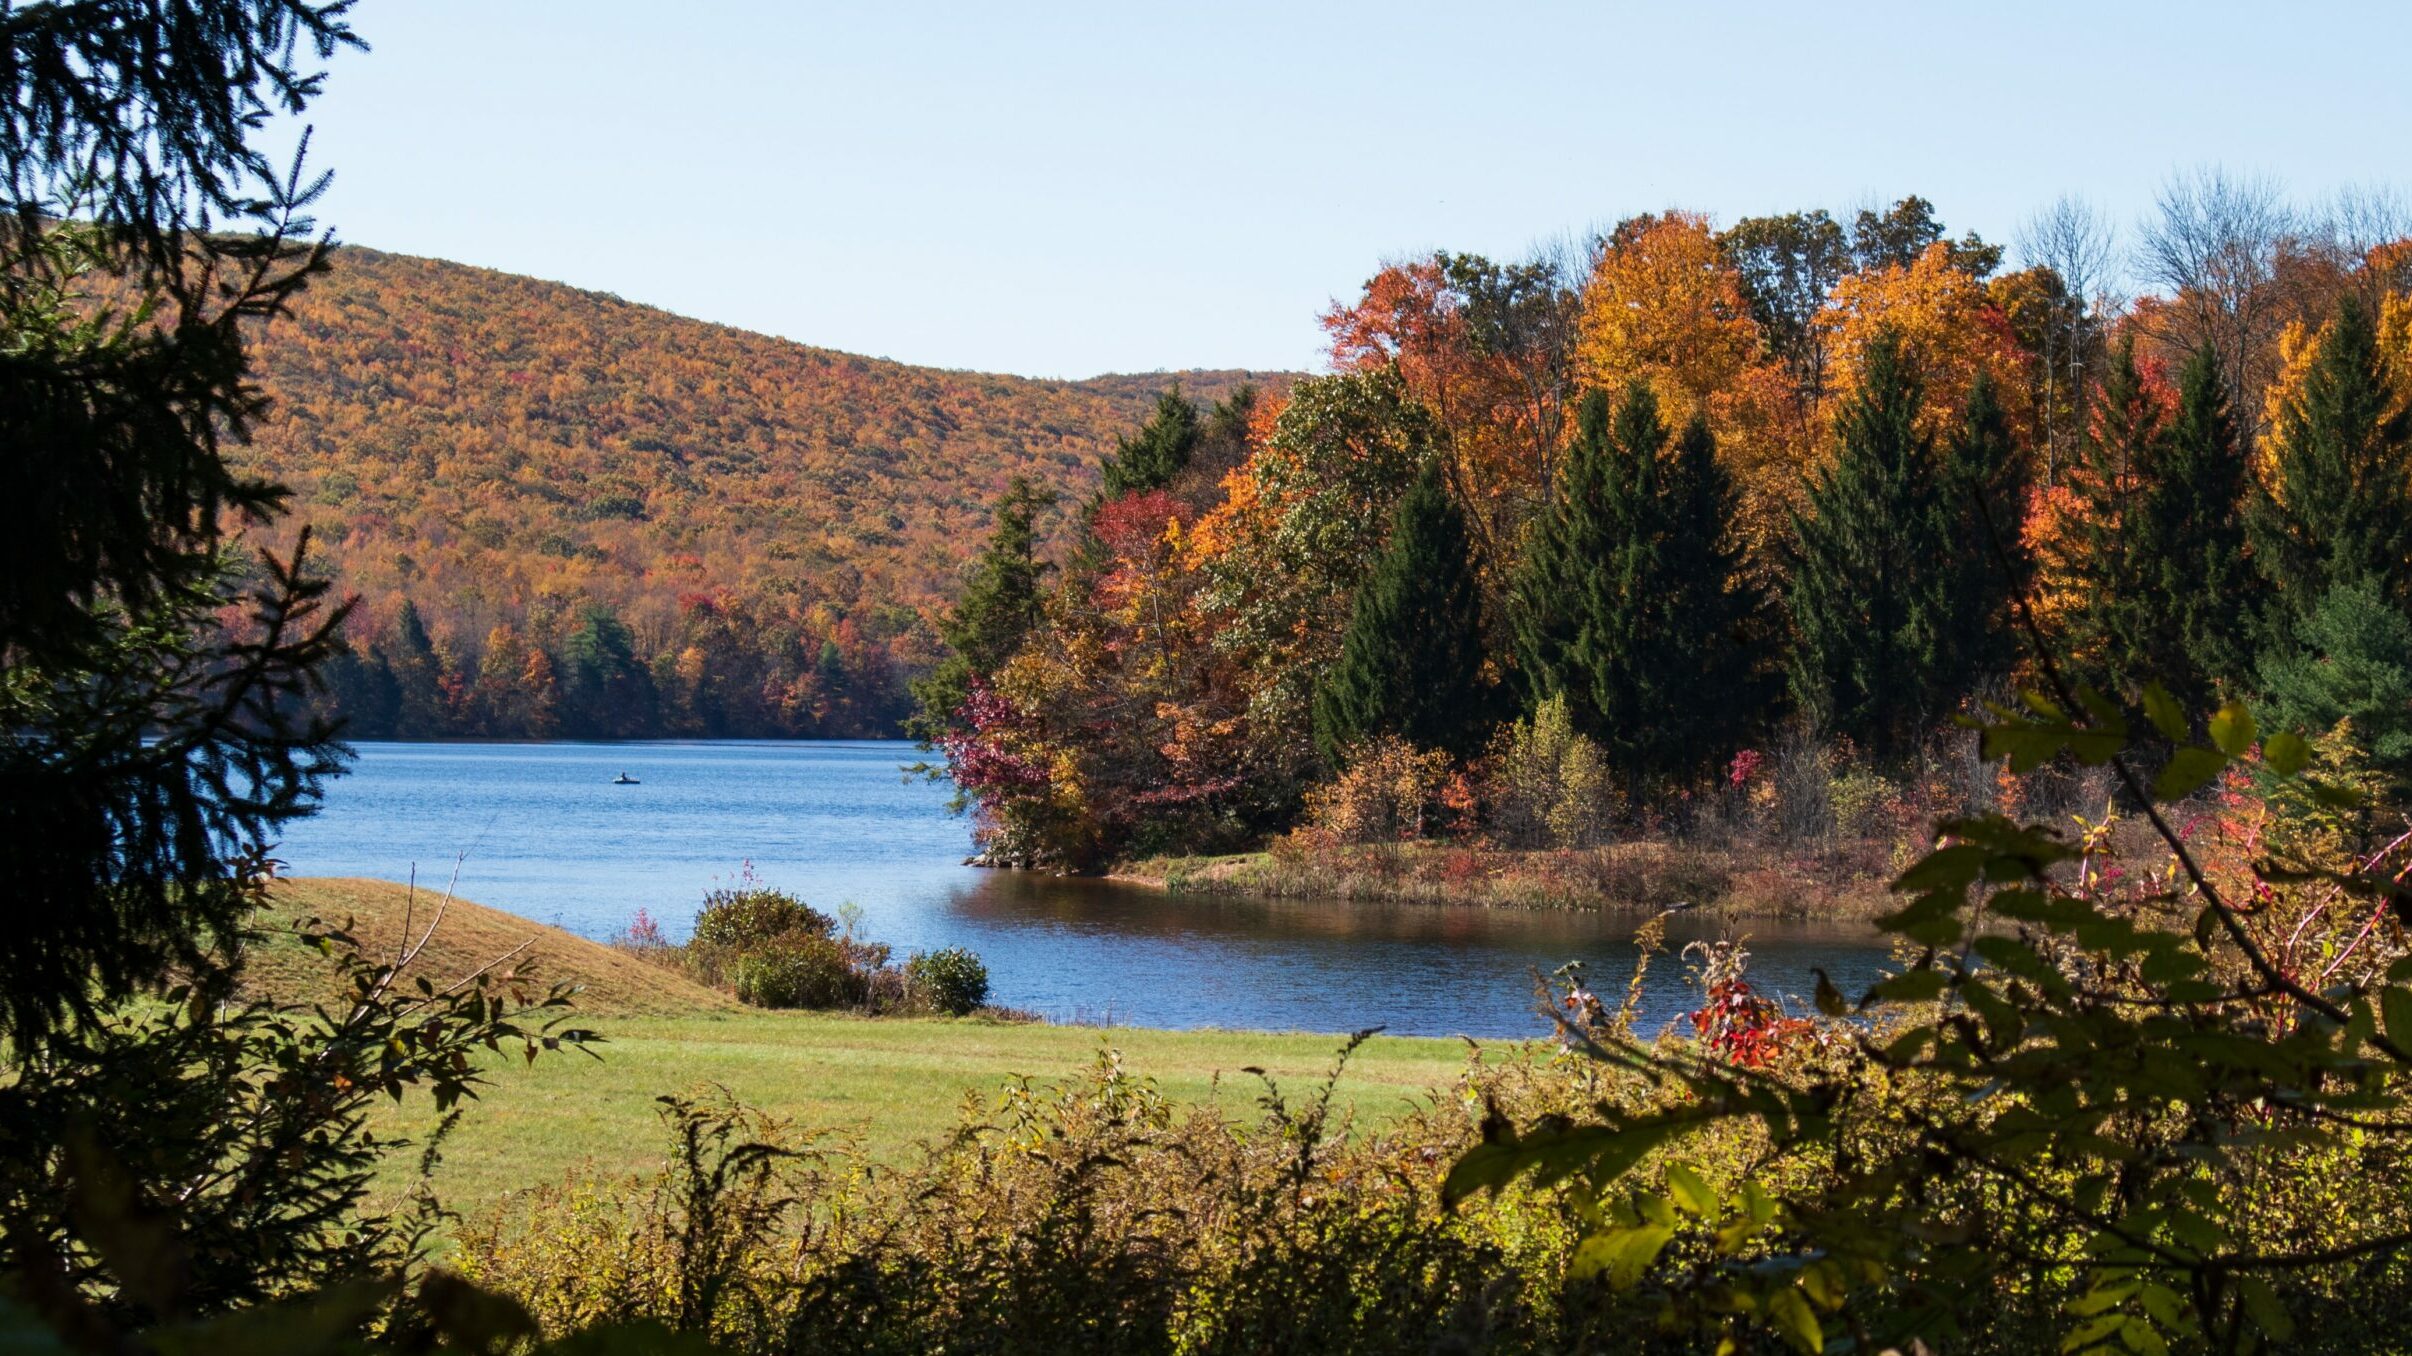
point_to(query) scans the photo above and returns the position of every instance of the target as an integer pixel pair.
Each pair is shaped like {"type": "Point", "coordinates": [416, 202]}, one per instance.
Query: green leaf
{"type": "Point", "coordinates": [2336, 796]}
{"type": "Point", "coordinates": [1554, 1153]}
{"type": "Point", "coordinates": [1915, 986]}
{"type": "Point", "coordinates": [2395, 1005]}
{"type": "Point", "coordinates": [1951, 868]}
{"type": "Point", "coordinates": [1796, 1322]}
{"type": "Point", "coordinates": [2103, 1298]}
{"type": "Point", "coordinates": [1757, 1204]}
{"type": "Point", "coordinates": [1624, 1255]}
{"type": "Point", "coordinates": [2286, 753]}
{"type": "Point", "coordinates": [1692, 1194]}
{"type": "Point", "coordinates": [2262, 1306]}
{"type": "Point", "coordinates": [2106, 714]}
{"type": "Point", "coordinates": [2232, 729]}
{"type": "Point", "coordinates": [2190, 769]}
{"type": "Point", "coordinates": [2164, 712]}
{"type": "Point", "coordinates": [2166, 1306]}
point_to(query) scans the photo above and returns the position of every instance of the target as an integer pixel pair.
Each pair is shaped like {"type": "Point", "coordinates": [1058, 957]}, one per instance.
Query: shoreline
{"type": "Point", "coordinates": [1850, 882]}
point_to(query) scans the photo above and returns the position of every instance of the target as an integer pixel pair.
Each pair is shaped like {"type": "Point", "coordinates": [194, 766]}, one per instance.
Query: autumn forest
{"type": "Point", "coordinates": [570, 516]}
{"type": "Point", "coordinates": [1582, 538]}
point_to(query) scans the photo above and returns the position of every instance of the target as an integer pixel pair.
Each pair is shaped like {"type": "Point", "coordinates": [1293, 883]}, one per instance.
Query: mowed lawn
{"type": "Point", "coordinates": [888, 1085]}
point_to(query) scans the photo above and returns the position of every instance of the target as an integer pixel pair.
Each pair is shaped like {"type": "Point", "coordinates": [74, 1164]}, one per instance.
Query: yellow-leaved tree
{"type": "Point", "coordinates": [1666, 307]}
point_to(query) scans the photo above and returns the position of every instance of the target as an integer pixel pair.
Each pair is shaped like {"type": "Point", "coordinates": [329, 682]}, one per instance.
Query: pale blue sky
{"type": "Point", "coordinates": [1073, 189]}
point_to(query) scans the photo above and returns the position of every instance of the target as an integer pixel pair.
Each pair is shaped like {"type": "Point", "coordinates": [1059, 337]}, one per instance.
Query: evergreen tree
{"type": "Point", "coordinates": [1147, 460]}
{"type": "Point", "coordinates": [605, 692]}
{"type": "Point", "coordinates": [1873, 577]}
{"type": "Point", "coordinates": [360, 685]}
{"type": "Point", "coordinates": [2352, 667]}
{"type": "Point", "coordinates": [2338, 509]}
{"type": "Point", "coordinates": [1002, 602]}
{"type": "Point", "coordinates": [1411, 660]}
{"type": "Point", "coordinates": [1161, 450]}
{"type": "Point", "coordinates": [1984, 477]}
{"type": "Point", "coordinates": [2188, 544]}
{"type": "Point", "coordinates": [418, 675]}
{"type": "Point", "coordinates": [1567, 542]}
{"type": "Point", "coordinates": [1618, 686]}
{"type": "Point", "coordinates": [152, 698]}
{"type": "Point", "coordinates": [1699, 688]}
{"type": "Point", "coordinates": [2109, 627]}
{"type": "Point", "coordinates": [1628, 603]}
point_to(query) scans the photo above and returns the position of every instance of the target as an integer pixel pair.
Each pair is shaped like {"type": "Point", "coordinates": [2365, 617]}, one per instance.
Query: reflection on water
{"type": "Point", "coordinates": [1188, 960]}
{"type": "Point", "coordinates": [540, 830]}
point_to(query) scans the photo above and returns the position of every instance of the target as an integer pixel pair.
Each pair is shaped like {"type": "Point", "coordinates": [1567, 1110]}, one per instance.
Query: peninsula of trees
{"type": "Point", "coordinates": [1825, 482]}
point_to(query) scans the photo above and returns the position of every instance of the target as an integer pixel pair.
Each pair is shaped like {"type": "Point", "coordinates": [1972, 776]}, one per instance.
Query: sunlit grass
{"type": "Point", "coordinates": [887, 1085]}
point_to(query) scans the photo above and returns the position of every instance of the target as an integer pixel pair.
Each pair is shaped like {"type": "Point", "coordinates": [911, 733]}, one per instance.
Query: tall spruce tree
{"type": "Point", "coordinates": [1873, 575]}
{"type": "Point", "coordinates": [2338, 508]}
{"type": "Point", "coordinates": [1705, 687]}
{"type": "Point", "coordinates": [2188, 545]}
{"type": "Point", "coordinates": [152, 695]}
{"type": "Point", "coordinates": [1159, 451]}
{"type": "Point", "coordinates": [2109, 628]}
{"type": "Point", "coordinates": [1628, 600]}
{"type": "Point", "coordinates": [1411, 661]}
{"type": "Point", "coordinates": [1565, 545]}
{"type": "Point", "coordinates": [1002, 602]}
{"type": "Point", "coordinates": [1984, 477]}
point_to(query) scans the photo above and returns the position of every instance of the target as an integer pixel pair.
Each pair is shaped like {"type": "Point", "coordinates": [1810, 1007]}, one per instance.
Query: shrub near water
{"type": "Point", "coordinates": [750, 916]}
{"type": "Point", "coordinates": [799, 970]}
{"type": "Point", "coordinates": [951, 979]}
{"type": "Point", "coordinates": [772, 950]}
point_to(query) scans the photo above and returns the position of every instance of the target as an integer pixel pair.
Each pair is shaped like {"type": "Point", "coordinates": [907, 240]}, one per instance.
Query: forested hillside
{"type": "Point", "coordinates": [569, 514]}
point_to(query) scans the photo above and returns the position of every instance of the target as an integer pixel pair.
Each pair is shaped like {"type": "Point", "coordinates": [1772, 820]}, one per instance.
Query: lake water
{"type": "Point", "coordinates": [540, 830]}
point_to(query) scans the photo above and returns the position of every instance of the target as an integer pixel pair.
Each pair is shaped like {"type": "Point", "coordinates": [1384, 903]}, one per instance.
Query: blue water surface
{"type": "Point", "coordinates": [542, 831]}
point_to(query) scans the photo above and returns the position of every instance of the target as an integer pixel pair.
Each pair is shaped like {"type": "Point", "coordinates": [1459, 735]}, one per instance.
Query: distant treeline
{"type": "Point", "coordinates": [727, 668]}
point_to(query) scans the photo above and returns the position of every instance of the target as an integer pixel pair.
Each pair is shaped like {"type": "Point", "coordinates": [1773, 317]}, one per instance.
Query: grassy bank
{"type": "Point", "coordinates": [890, 1084]}
{"type": "Point", "coordinates": [1845, 880]}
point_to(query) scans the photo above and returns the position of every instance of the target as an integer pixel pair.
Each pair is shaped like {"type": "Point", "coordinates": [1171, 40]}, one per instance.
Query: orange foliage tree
{"type": "Point", "coordinates": [1487, 349]}
{"type": "Point", "coordinates": [1949, 325]}
{"type": "Point", "coordinates": [1665, 306]}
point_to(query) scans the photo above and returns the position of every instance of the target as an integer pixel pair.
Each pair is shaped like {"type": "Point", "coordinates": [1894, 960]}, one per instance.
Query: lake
{"type": "Point", "coordinates": [542, 831]}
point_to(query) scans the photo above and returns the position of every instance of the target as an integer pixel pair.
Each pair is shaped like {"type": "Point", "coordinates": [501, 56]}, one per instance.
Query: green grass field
{"type": "Point", "coordinates": [889, 1084]}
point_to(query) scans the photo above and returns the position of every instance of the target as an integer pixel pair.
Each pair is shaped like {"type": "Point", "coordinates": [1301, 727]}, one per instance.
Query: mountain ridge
{"type": "Point", "coordinates": [498, 451]}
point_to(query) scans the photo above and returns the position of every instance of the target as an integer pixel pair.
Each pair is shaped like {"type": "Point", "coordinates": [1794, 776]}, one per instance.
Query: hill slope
{"type": "Point", "coordinates": [468, 937]}
{"type": "Point", "coordinates": [500, 451]}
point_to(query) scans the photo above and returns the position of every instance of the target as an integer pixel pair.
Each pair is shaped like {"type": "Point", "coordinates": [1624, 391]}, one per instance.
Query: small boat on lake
{"type": "Point", "coordinates": [625, 780]}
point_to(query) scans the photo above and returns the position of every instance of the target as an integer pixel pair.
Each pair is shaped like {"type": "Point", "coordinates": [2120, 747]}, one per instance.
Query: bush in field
{"type": "Point", "coordinates": [1864, 802]}
{"type": "Point", "coordinates": [952, 979]}
{"type": "Point", "coordinates": [800, 970]}
{"type": "Point", "coordinates": [751, 915]}
{"type": "Point", "coordinates": [1549, 785]}
{"type": "Point", "coordinates": [1391, 792]}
